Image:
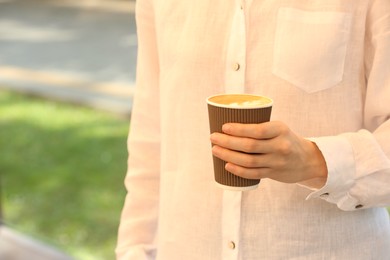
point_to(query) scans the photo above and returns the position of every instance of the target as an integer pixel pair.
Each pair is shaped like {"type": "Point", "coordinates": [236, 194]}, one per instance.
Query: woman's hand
{"type": "Point", "coordinates": [268, 150]}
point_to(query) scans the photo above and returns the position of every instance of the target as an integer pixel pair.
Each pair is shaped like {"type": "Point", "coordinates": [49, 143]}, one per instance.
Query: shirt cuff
{"type": "Point", "coordinates": [339, 157]}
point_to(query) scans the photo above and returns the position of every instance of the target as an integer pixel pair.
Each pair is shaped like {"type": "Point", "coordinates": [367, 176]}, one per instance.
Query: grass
{"type": "Point", "coordinates": [62, 170]}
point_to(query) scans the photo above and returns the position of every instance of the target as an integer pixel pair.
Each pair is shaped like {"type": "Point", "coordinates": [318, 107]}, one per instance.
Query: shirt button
{"type": "Point", "coordinates": [231, 245]}
{"type": "Point", "coordinates": [236, 66]}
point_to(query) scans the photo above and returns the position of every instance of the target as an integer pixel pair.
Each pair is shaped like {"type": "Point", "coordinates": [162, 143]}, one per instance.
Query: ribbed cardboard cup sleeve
{"type": "Point", "coordinates": [218, 116]}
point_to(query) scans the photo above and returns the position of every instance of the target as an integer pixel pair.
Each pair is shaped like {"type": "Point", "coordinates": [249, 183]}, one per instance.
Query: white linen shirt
{"type": "Point", "coordinates": [326, 65]}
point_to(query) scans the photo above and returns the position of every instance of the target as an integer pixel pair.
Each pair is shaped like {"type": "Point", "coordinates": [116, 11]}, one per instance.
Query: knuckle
{"type": "Point", "coordinates": [285, 148]}
{"type": "Point", "coordinates": [250, 161]}
{"type": "Point", "coordinates": [284, 129]}
{"type": "Point", "coordinates": [262, 173]}
{"type": "Point", "coordinates": [241, 172]}
{"type": "Point", "coordinates": [246, 173]}
{"type": "Point", "coordinates": [260, 131]}
{"type": "Point", "coordinates": [250, 146]}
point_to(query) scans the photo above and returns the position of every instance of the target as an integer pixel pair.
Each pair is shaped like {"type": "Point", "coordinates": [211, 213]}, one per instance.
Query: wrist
{"type": "Point", "coordinates": [318, 170]}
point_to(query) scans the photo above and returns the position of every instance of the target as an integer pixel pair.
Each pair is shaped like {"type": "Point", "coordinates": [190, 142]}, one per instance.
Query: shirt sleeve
{"type": "Point", "coordinates": [138, 225]}
{"type": "Point", "coordinates": [359, 163]}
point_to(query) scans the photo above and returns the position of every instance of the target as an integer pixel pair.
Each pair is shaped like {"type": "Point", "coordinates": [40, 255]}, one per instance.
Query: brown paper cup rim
{"type": "Point", "coordinates": [270, 103]}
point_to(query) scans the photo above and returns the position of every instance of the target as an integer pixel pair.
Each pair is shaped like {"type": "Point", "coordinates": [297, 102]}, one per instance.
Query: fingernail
{"type": "Point", "coordinates": [226, 128]}
{"type": "Point", "coordinates": [214, 150]}
{"type": "Point", "coordinates": [228, 167]}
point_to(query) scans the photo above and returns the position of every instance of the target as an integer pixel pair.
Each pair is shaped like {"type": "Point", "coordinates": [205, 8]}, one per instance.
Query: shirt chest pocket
{"type": "Point", "coordinates": [310, 48]}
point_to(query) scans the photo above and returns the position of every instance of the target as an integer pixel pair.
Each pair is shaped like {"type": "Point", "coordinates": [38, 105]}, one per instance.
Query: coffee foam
{"type": "Point", "coordinates": [240, 101]}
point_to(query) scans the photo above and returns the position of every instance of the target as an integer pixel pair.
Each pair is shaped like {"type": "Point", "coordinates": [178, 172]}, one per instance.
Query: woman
{"type": "Point", "coordinates": [324, 158]}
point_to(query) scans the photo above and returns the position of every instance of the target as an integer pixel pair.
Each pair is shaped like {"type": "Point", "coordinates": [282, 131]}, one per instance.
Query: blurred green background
{"type": "Point", "coordinates": [62, 165]}
{"type": "Point", "coordinates": [62, 170]}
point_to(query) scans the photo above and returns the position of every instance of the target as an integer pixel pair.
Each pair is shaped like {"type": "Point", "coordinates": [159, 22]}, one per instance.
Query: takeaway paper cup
{"type": "Point", "coordinates": [236, 108]}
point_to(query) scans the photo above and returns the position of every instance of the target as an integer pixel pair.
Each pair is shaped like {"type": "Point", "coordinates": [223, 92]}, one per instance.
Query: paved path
{"type": "Point", "coordinates": [17, 246]}
{"type": "Point", "coordinates": [80, 51]}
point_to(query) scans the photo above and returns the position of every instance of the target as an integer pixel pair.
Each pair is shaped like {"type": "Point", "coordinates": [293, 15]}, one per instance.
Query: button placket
{"type": "Point", "coordinates": [235, 65]}
{"type": "Point", "coordinates": [231, 222]}
{"type": "Point", "coordinates": [234, 83]}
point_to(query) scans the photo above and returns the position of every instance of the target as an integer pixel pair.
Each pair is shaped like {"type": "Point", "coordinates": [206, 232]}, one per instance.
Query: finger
{"type": "Point", "coordinates": [242, 144]}
{"type": "Point", "coordinates": [241, 159]}
{"type": "Point", "coordinates": [266, 130]}
{"type": "Point", "coordinates": [248, 173]}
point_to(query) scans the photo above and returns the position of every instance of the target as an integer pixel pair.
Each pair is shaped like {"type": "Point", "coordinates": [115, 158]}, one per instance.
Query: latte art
{"type": "Point", "coordinates": [240, 101]}
{"type": "Point", "coordinates": [250, 103]}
